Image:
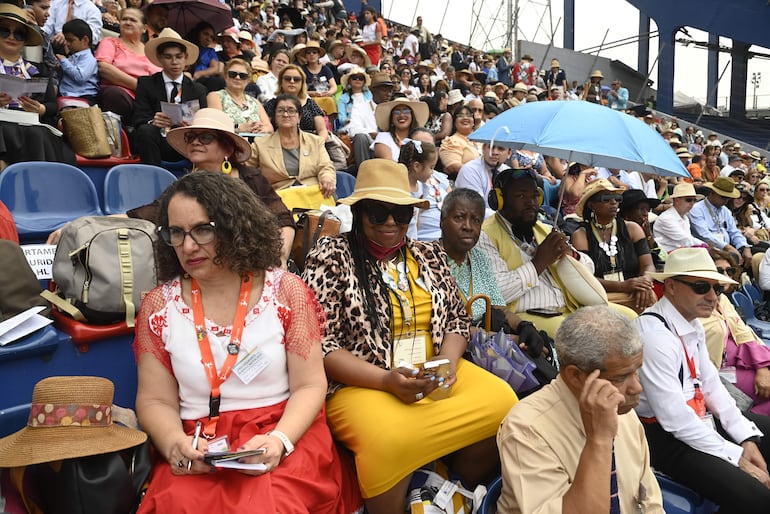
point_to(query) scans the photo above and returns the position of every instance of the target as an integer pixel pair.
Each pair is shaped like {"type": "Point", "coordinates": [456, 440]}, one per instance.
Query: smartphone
{"type": "Point", "coordinates": [211, 458]}
{"type": "Point", "coordinates": [438, 368]}
{"type": "Point", "coordinates": [544, 313]}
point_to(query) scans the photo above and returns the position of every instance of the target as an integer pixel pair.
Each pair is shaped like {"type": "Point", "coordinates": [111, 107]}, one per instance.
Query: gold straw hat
{"type": "Point", "coordinates": [385, 181]}
{"type": "Point", "coordinates": [70, 417]}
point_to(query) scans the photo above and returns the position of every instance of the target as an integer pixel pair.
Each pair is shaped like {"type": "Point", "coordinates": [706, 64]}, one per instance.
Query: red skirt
{"type": "Point", "coordinates": [313, 479]}
{"type": "Point", "coordinates": [373, 51]}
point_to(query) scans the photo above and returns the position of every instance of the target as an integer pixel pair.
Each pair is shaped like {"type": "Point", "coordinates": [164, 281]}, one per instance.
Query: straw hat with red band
{"type": "Point", "coordinates": [70, 417]}
{"type": "Point", "coordinates": [217, 121]}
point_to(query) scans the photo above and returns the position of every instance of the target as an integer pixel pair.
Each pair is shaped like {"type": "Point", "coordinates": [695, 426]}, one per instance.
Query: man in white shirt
{"type": "Point", "coordinates": [620, 178]}
{"type": "Point", "coordinates": [672, 228]}
{"type": "Point", "coordinates": [64, 10]}
{"type": "Point", "coordinates": [696, 433]}
{"type": "Point", "coordinates": [479, 173]}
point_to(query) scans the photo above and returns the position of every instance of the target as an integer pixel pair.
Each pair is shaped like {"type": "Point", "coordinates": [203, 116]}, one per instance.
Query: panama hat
{"type": "Point", "coordinates": [169, 35]}
{"type": "Point", "coordinates": [455, 97]}
{"type": "Point", "coordinates": [520, 87]}
{"type": "Point", "coordinates": [211, 119]}
{"type": "Point", "coordinates": [467, 74]}
{"type": "Point", "coordinates": [684, 190]}
{"type": "Point", "coordinates": [70, 417]}
{"type": "Point", "coordinates": [755, 155]}
{"type": "Point", "coordinates": [597, 74]}
{"type": "Point", "coordinates": [682, 153]}
{"type": "Point", "coordinates": [310, 44]}
{"type": "Point", "coordinates": [355, 70]}
{"type": "Point", "coordinates": [690, 262]}
{"type": "Point", "coordinates": [383, 110]}
{"type": "Point", "coordinates": [723, 186]}
{"type": "Point", "coordinates": [597, 186]}
{"type": "Point", "coordinates": [383, 180]}
{"type": "Point", "coordinates": [11, 12]}
{"type": "Point", "coordinates": [360, 51]}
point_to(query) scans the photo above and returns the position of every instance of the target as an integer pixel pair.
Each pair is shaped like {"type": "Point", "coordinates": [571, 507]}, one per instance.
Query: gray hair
{"type": "Point", "coordinates": [590, 334]}
{"type": "Point", "coordinates": [462, 194]}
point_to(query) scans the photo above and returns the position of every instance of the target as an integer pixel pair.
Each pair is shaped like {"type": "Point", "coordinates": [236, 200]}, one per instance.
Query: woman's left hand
{"type": "Point", "coordinates": [274, 451]}
{"type": "Point", "coordinates": [762, 383]}
{"type": "Point", "coordinates": [451, 376]}
{"type": "Point", "coordinates": [30, 105]}
{"type": "Point", "coordinates": [326, 185]}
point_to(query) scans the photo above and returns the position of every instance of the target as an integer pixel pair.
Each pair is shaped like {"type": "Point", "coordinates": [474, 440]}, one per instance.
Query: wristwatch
{"type": "Point", "coordinates": [753, 439]}
{"type": "Point", "coordinates": [287, 446]}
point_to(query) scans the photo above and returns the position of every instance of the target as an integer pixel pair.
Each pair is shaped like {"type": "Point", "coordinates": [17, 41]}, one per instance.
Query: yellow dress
{"type": "Point", "coordinates": [391, 439]}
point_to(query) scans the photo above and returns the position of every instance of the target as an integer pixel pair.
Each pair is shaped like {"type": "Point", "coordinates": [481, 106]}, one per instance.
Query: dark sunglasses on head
{"type": "Point", "coordinates": [608, 197]}
{"type": "Point", "coordinates": [204, 137]}
{"type": "Point", "coordinates": [701, 286]}
{"type": "Point", "coordinates": [18, 34]}
{"type": "Point", "coordinates": [378, 213]}
{"type": "Point", "coordinates": [238, 75]}
{"type": "Point", "coordinates": [727, 271]}
{"type": "Point", "coordinates": [289, 78]}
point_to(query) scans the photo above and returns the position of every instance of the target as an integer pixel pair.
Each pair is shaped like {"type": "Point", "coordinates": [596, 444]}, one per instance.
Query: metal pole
{"type": "Point", "coordinates": [714, 87]}
{"type": "Point", "coordinates": [643, 89]}
{"type": "Point", "coordinates": [515, 45]}
{"type": "Point", "coordinates": [596, 58]}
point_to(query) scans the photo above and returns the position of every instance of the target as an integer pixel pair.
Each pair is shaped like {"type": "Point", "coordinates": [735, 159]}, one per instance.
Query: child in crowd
{"type": "Point", "coordinates": [79, 69]}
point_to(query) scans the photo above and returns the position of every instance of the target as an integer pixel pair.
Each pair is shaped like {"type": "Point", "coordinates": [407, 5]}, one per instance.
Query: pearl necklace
{"type": "Point", "coordinates": [610, 248]}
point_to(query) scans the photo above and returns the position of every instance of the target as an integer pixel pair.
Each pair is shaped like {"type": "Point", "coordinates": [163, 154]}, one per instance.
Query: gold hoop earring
{"type": "Point", "coordinates": [227, 168]}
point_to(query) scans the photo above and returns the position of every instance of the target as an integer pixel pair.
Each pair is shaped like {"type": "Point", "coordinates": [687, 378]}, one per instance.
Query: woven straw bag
{"type": "Point", "coordinates": [86, 132]}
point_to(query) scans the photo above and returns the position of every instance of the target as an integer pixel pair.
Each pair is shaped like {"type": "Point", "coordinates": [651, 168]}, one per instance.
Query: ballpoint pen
{"type": "Point", "coordinates": [196, 436]}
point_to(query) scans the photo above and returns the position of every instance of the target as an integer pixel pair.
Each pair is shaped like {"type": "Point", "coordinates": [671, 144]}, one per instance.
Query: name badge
{"type": "Point", "coordinates": [220, 444]}
{"type": "Point", "coordinates": [708, 420]}
{"type": "Point", "coordinates": [614, 277]}
{"type": "Point", "coordinates": [410, 348]}
{"type": "Point", "coordinates": [252, 365]}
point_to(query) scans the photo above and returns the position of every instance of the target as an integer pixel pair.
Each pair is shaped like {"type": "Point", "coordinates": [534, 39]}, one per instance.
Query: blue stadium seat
{"type": "Point", "coordinates": [489, 503]}
{"type": "Point", "coordinates": [43, 196]}
{"type": "Point", "coordinates": [132, 185]}
{"type": "Point", "coordinates": [178, 168]}
{"type": "Point", "coordinates": [678, 499]}
{"type": "Point", "coordinates": [345, 184]}
{"type": "Point", "coordinates": [745, 306]}
{"type": "Point", "coordinates": [753, 292]}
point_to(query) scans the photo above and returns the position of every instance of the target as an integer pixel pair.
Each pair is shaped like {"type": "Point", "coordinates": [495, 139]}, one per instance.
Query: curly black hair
{"type": "Point", "coordinates": [248, 237]}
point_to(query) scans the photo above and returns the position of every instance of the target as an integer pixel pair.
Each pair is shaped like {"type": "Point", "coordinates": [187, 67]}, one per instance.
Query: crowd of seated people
{"type": "Point", "coordinates": [406, 109]}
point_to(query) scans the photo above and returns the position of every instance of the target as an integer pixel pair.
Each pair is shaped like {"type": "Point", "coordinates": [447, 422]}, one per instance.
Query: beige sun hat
{"type": "Point", "coordinates": [455, 97]}
{"type": "Point", "coordinates": [355, 70]}
{"type": "Point", "coordinates": [755, 155]}
{"type": "Point", "coordinates": [357, 49]}
{"type": "Point", "coordinates": [169, 35]}
{"type": "Point", "coordinates": [555, 63]}
{"type": "Point", "coordinates": [684, 190]}
{"type": "Point", "coordinates": [723, 186]}
{"type": "Point", "coordinates": [597, 74]}
{"type": "Point", "coordinates": [520, 87]}
{"type": "Point", "coordinates": [70, 417]}
{"type": "Point", "coordinates": [383, 110]}
{"type": "Point", "coordinates": [682, 153]}
{"type": "Point", "coordinates": [383, 180]}
{"type": "Point", "coordinates": [216, 120]}
{"type": "Point", "coordinates": [11, 12]}
{"type": "Point", "coordinates": [690, 262]}
{"type": "Point", "coordinates": [310, 44]}
{"type": "Point", "coordinates": [597, 186]}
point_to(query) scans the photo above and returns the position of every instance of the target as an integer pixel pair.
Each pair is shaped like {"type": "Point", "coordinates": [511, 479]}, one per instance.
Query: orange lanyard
{"type": "Point", "coordinates": [697, 403]}
{"type": "Point", "coordinates": [207, 359]}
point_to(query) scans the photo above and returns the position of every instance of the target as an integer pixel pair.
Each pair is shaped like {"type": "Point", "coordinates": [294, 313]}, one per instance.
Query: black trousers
{"type": "Point", "coordinates": [735, 491]}
{"type": "Point", "coordinates": [152, 147]}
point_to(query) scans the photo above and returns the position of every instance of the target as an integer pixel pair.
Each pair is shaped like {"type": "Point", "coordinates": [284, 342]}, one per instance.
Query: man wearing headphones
{"type": "Point", "coordinates": [523, 251]}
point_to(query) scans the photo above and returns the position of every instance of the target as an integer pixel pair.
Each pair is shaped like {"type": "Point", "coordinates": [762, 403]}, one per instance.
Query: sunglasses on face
{"type": "Point", "coordinates": [378, 213]}
{"type": "Point", "coordinates": [763, 190]}
{"type": "Point", "coordinates": [288, 78]}
{"type": "Point", "coordinates": [609, 197]}
{"type": "Point", "coordinates": [238, 75]}
{"type": "Point", "coordinates": [17, 34]}
{"type": "Point", "coordinates": [402, 111]}
{"type": "Point", "coordinates": [202, 234]}
{"type": "Point", "coordinates": [689, 200]}
{"type": "Point", "coordinates": [701, 286]}
{"type": "Point", "coordinates": [727, 271]}
{"type": "Point", "coordinates": [205, 138]}
{"type": "Point", "coordinates": [311, 51]}
{"type": "Point", "coordinates": [357, 77]}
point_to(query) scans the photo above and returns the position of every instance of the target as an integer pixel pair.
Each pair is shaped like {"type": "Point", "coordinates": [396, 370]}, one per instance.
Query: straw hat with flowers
{"type": "Point", "coordinates": [385, 181]}
{"type": "Point", "coordinates": [70, 417]}
{"type": "Point", "coordinates": [216, 121]}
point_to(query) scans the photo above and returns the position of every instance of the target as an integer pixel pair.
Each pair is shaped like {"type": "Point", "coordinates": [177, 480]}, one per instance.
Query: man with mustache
{"type": "Point", "coordinates": [576, 445]}
{"type": "Point", "coordinates": [696, 433]}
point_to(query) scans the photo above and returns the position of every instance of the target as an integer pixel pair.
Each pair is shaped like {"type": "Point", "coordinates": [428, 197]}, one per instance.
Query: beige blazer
{"type": "Point", "coordinates": [314, 161]}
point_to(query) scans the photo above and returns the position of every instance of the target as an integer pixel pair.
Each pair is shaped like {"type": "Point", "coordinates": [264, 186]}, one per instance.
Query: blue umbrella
{"type": "Point", "coordinates": [583, 132]}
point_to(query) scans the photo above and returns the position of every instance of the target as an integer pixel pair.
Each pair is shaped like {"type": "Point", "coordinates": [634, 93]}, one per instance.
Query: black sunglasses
{"type": "Point", "coordinates": [690, 200]}
{"type": "Point", "coordinates": [701, 286]}
{"type": "Point", "coordinates": [378, 213]}
{"type": "Point", "coordinates": [289, 78]}
{"type": "Point", "coordinates": [608, 197]}
{"type": "Point", "coordinates": [18, 34]}
{"type": "Point", "coordinates": [238, 74]}
{"type": "Point", "coordinates": [356, 77]}
{"type": "Point", "coordinates": [205, 138]}
{"type": "Point", "coordinates": [727, 271]}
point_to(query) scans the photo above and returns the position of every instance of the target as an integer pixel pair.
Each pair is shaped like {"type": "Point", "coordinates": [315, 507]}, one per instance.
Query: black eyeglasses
{"type": "Point", "coordinates": [378, 213]}
{"type": "Point", "coordinates": [701, 286]}
{"type": "Point", "coordinates": [290, 78]}
{"type": "Point", "coordinates": [357, 77]}
{"type": "Point", "coordinates": [727, 271]}
{"type": "Point", "coordinates": [202, 234]}
{"type": "Point", "coordinates": [289, 111]}
{"type": "Point", "coordinates": [763, 190]}
{"type": "Point", "coordinates": [206, 138]}
{"type": "Point", "coordinates": [608, 197]}
{"type": "Point", "coordinates": [17, 34]}
{"type": "Point", "coordinates": [238, 75]}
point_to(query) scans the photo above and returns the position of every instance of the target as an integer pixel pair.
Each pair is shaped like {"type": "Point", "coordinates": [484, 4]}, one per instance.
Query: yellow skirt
{"type": "Point", "coordinates": [391, 440]}
{"type": "Point", "coordinates": [551, 325]}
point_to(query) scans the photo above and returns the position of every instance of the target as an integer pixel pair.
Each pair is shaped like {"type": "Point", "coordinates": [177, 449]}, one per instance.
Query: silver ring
{"type": "Point", "coordinates": [180, 463]}
{"type": "Point", "coordinates": [419, 396]}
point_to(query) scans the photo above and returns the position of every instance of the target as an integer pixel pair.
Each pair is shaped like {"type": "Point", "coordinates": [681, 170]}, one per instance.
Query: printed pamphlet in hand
{"type": "Point", "coordinates": [182, 112]}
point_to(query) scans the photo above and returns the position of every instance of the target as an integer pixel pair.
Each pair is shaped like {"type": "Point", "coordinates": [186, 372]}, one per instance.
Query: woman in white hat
{"type": "Point", "coordinates": [395, 120]}
{"type": "Point", "coordinates": [391, 305]}
{"type": "Point", "coordinates": [618, 247]}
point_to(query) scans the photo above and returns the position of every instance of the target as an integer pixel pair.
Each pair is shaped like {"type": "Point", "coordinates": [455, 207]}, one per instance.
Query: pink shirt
{"type": "Point", "coordinates": [112, 51]}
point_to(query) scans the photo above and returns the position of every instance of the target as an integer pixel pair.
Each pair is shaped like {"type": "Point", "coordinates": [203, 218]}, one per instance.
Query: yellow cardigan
{"type": "Point", "coordinates": [314, 161]}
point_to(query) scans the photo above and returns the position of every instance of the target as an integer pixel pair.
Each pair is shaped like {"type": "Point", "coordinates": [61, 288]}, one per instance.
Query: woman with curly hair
{"type": "Point", "coordinates": [228, 349]}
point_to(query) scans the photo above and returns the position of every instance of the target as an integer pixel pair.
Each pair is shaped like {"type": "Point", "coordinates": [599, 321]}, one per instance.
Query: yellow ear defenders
{"type": "Point", "coordinates": [495, 196]}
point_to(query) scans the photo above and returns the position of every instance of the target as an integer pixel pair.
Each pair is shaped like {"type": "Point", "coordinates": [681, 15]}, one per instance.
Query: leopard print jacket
{"type": "Point", "coordinates": [330, 273]}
